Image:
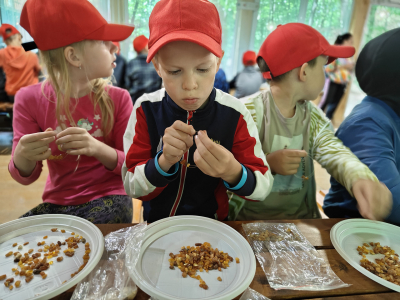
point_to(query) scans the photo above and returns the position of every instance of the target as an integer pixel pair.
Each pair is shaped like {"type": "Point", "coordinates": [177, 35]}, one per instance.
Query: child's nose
{"type": "Point", "coordinates": [189, 83]}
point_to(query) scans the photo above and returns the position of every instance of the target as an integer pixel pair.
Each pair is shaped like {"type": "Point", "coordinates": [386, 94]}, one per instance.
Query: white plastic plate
{"type": "Point", "coordinates": [152, 273]}
{"type": "Point", "coordinates": [347, 235]}
{"type": "Point", "coordinates": [32, 230]}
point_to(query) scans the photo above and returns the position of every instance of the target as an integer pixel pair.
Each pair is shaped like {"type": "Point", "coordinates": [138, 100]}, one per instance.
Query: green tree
{"type": "Point", "coordinates": [380, 20]}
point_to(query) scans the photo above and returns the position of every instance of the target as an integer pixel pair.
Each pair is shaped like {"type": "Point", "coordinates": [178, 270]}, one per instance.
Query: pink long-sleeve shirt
{"type": "Point", "coordinates": [33, 113]}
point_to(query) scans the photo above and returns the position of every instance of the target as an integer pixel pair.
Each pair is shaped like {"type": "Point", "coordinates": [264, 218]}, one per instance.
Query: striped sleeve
{"type": "Point", "coordinates": [330, 152]}
{"type": "Point", "coordinates": [139, 174]}
{"type": "Point", "coordinates": [248, 151]}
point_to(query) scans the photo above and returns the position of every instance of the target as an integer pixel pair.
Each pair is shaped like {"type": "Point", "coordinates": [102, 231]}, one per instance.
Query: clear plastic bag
{"type": "Point", "coordinates": [110, 279]}
{"type": "Point", "coordinates": [250, 294]}
{"type": "Point", "coordinates": [288, 259]}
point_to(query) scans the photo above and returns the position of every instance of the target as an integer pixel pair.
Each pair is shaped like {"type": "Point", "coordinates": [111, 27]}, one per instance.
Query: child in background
{"type": "Point", "coordinates": [189, 143]}
{"type": "Point", "coordinates": [249, 80]}
{"type": "Point", "coordinates": [75, 119]}
{"type": "Point", "coordinates": [141, 77]}
{"type": "Point", "coordinates": [21, 68]}
{"type": "Point", "coordinates": [293, 131]}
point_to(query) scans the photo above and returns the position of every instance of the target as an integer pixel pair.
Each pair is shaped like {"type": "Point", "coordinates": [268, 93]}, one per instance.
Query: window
{"type": "Point", "coordinates": [227, 15]}
{"type": "Point", "coordinates": [329, 17]}
{"type": "Point", "coordinates": [139, 15]}
{"type": "Point", "coordinates": [381, 19]}
{"type": "Point", "coordinates": [273, 13]}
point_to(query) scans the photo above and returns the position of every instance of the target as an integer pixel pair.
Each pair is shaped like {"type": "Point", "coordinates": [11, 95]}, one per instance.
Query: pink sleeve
{"type": "Point", "coordinates": [24, 123]}
{"type": "Point", "coordinates": [122, 113]}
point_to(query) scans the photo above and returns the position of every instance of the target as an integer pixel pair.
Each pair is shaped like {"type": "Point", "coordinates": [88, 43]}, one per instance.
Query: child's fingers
{"type": "Point", "coordinates": [48, 129]}
{"type": "Point", "coordinates": [173, 141]}
{"type": "Point", "coordinates": [81, 151]}
{"type": "Point", "coordinates": [39, 150]}
{"type": "Point", "coordinates": [293, 160]}
{"type": "Point", "coordinates": [42, 156]}
{"type": "Point", "coordinates": [179, 135]}
{"type": "Point", "coordinates": [295, 153]}
{"type": "Point", "coordinates": [205, 152]}
{"type": "Point", "coordinates": [73, 145]}
{"type": "Point", "coordinates": [170, 150]}
{"type": "Point", "coordinates": [212, 147]}
{"type": "Point", "coordinates": [71, 130]}
{"type": "Point", "coordinates": [69, 138]}
{"type": "Point", "coordinates": [202, 164]}
{"type": "Point", "coordinates": [30, 138]}
{"type": "Point", "coordinates": [188, 129]}
{"type": "Point", "coordinates": [40, 143]}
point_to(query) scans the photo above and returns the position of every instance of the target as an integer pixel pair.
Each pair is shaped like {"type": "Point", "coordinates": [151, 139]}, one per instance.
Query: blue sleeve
{"type": "Point", "coordinates": [373, 144]}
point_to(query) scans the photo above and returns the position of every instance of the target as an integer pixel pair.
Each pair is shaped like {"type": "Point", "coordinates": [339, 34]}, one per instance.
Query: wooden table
{"type": "Point", "coordinates": [317, 232]}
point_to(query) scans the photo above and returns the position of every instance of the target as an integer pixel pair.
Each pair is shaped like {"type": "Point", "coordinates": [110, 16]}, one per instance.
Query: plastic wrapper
{"type": "Point", "coordinates": [288, 259]}
{"type": "Point", "coordinates": [250, 294]}
{"type": "Point", "coordinates": [110, 279]}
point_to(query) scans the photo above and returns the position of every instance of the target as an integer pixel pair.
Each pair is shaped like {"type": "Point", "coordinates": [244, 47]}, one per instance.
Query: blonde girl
{"type": "Point", "coordinates": [75, 119]}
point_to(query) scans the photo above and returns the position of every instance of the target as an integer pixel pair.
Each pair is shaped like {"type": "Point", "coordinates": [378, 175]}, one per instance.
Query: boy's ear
{"type": "Point", "coordinates": [72, 57]}
{"type": "Point", "coordinates": [156, 65]}
{"type": "Point", "coordinates": [219, 59]}
{"type": "Point", "coordinates": [303, 72]}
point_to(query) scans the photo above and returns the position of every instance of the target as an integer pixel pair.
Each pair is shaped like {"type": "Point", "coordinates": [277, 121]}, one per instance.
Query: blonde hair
{"type": "Point", "coordinates": [58, 76]}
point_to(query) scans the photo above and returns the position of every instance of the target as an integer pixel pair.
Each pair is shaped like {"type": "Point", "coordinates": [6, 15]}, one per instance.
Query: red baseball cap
{"type": "Point", "coordinates": [11, 31]}
{"type": "Point", "coordinates": [55, 24]}
{"type": "Point", "coordinates": [195, 21]}
{"type": "Point", "coordinates": [140, 42]}
{"type": "Point", "coordinates": [249, 58]}
{"type": "Point", "coordinates": [290, 46]}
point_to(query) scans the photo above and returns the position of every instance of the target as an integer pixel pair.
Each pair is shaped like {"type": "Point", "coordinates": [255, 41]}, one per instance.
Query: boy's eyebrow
{"type": "Point", "coordinates": [178, 67]}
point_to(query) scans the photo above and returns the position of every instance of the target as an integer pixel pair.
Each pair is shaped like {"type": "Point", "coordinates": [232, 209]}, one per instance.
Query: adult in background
{"type": "Point", "coordinates": [339, 74]}
{"type": "Point", "coordinates": [120, 69]}
{"type": "Point", "coordinates": [372, 130]}
{"type": "Point", "coordinates": [141, 77]}
{"type": "Point", "coordinates": [248, 81]}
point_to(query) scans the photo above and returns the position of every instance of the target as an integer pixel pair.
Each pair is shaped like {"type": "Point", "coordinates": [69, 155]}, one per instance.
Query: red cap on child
{"type": "Point", "coordinates": [249, 58]}
{"type": "Point", "coordinates": [195, 21]}
{"type": "Point", "coordinates": [55, 24]}
{"type": "Point", "coordinates": [140, 42]}
{"type": "Point", "coordinates": [290, 46]}
{"type": "Point", "coordinates": [7, 30]}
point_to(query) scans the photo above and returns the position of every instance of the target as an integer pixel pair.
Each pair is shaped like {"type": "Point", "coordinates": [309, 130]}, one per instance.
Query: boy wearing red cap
{"type": "Point", "coordinates": [141, 77]}
{"type": "Point", "coordinates": [293, 131]}
{"type": "Point", "coordinates": [187, 144]}
{"type": "Point", "coordinates": [249, 80]}
{"type": "Point", "coordinates": [21, 68]}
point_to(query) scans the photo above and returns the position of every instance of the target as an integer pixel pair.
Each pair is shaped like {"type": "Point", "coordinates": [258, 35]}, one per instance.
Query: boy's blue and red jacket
{"type": "Point", "coordinates": [189, 191]}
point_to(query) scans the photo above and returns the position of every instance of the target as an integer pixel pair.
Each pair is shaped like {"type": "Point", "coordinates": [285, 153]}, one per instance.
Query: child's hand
{"type": "Point", "coordinates": [35, 146]}
{"type": "Point", "coordinates": [285, 161]}
{"type": "Point", "coordinates": [32, 148]}
{"type": "Point", "coordinates": [374, 199]}
{"type": "Point", "coordinates": [177, 140]}
{"type": "Point", "coordinates": [216, 161]}
{"type": "Point", "coordinates": [78, 141]}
